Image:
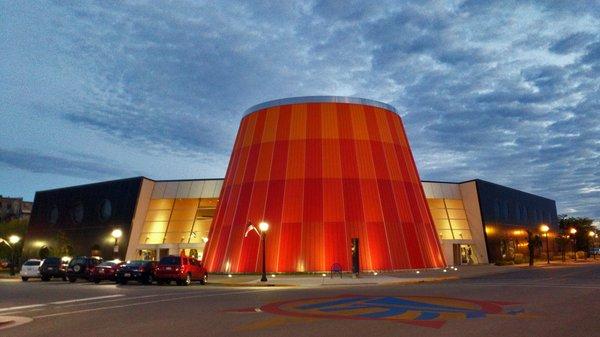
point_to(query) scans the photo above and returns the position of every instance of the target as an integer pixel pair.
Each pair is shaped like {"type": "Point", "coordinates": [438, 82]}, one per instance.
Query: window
{"type": "Point", "coordinates": [450, 219]}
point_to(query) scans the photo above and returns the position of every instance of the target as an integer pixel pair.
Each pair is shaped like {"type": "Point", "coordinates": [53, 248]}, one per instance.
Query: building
{"type": "Point", "coordinates": [321, 171]}
{"type": "Point", "coordinates": [14, 208]}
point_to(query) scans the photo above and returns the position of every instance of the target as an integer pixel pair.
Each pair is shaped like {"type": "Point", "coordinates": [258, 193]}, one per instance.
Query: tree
{"type": "Point", "coordinates": [12, 227]}
{"type": "Point", "coordinates": [583, 227]}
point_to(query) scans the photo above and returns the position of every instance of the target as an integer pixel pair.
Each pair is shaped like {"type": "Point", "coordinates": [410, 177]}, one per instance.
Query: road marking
{"type": "Point", "coordinates": [567, 286]}
{"type": "Point", "coordinates": [23, 307]}
{"type": "Point", "coordinates": [144, 303]}
{"type": "Point", "coordinates": [87, 299]}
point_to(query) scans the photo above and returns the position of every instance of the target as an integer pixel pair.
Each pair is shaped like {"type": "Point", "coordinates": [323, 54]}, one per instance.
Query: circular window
{"type": "Point", "coordinates": [105, 210]}
{"type": "Point", "coordinates": [53, 215]}
{"type": "Point", "coordinates": [77, 213]}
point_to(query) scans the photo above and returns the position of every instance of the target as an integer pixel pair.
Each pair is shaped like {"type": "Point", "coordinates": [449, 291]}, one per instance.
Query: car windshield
{"type": "Point", "coordinates": [170, 260]}
{"type": "Point", "coordinates": [135, 264]}
{"type": "Point", "coordinates": [107, 264]}
{"type": "Point", "coordinates": [32, 263]}
{"type": "Point", "coordinates": [52, 261]}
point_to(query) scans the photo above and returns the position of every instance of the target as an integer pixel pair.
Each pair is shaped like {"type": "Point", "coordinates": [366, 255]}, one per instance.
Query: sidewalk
{"type": "Point", "coordinates": [400, 277]}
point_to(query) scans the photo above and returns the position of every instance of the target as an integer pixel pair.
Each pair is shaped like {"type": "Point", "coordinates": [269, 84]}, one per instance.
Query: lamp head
{"type": "Point", "coordinates": [544, 228]}
{"type": "Point", "coordinates": [263, 226]}
{"type": "Point", "coordinates": [14, 239]}
{"type": "Point", "coordinates": [573, 231]}
{"type": "Point", "coordinates": [591, 233]}
{"type": "Point", "coordinates": [117, 233]}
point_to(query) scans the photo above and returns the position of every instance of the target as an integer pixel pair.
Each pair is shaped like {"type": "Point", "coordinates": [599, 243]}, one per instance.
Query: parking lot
{"type": "Point", "coordinates": [530, 302]}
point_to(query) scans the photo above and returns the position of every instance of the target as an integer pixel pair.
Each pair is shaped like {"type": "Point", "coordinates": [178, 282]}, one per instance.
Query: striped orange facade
{"type": "Point", "coordinates": [321, 173]}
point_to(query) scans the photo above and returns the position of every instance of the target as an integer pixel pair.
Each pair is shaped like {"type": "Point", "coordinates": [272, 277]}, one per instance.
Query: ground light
{"type": "Point", "coordinates": [573, 231]}
{"type": "Point", "coordinates": [418, 272]}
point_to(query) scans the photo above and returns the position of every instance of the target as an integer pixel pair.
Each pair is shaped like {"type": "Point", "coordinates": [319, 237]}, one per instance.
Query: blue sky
{"type": "Point", "coordinates": [507, 92]}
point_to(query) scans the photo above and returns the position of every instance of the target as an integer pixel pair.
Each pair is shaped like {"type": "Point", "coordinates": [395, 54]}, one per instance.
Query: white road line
{"type": "Point", "coordinates": [87, 299]}
{"type": "Point", "coordinates": [23, 307]}
{"type": "Point", "coordinates": [566, 286]}
{"type": "Point", "coordinates": [144, 303]}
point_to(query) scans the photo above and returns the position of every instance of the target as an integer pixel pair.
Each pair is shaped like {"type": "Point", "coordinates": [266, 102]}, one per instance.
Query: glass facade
{"type": "Point", "coordinates": [178, 221]}
{"type": "Point", "coordinates": [450, 219]}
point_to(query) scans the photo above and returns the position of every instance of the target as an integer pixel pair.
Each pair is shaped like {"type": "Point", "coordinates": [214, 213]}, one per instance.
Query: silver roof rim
{"type": "Point", "coordinates": [319, 99]}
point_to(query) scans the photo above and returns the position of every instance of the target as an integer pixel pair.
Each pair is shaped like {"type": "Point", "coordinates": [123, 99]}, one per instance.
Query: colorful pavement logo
{"type": "Point", "coordinates": [423, 311]}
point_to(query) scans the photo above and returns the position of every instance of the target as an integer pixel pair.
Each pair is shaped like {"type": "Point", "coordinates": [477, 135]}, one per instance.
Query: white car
{"type": "Point", "coordinates": [29, 269]}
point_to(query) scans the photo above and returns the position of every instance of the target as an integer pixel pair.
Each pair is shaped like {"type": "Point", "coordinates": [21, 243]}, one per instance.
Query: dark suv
{"type": "Point", "coordinates": [53, 267]}
{"type": "Point", "coordinates": [81, 267]}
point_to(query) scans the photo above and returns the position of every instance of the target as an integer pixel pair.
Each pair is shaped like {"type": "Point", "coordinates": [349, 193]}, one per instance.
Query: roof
{"type": "Point", "coordinates": [319, 99]}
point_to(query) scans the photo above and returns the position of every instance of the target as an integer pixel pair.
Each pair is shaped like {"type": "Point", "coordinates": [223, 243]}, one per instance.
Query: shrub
{"type": "Point", "coordinates": [519, 258]}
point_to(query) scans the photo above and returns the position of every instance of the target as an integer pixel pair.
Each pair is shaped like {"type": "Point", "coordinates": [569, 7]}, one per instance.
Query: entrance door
{"type": "Point", "coordinates": [456, 254]}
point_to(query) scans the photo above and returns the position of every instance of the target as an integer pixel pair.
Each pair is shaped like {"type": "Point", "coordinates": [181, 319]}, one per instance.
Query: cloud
{"type": "Point", "coordinates": [506, 92]}
{"type": "Point", "coordinates": [87, 167]}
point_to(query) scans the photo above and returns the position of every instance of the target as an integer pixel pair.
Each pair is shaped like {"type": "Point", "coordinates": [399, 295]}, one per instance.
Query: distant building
{"type": "Point", "coordinates": [14, 208]}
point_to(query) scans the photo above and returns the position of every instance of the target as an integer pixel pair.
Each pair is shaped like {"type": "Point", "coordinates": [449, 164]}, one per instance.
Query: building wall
{"type": "Point", "coordinates": [14, 208]}
{"type": "Point", "coordinates": [77, 220]}
{"type": "Point", "coordinates": [320, 172]}
{"type": "Point", "coordinates": [455, 211]}
{"type": "Point", "coordinates": [507, 216]}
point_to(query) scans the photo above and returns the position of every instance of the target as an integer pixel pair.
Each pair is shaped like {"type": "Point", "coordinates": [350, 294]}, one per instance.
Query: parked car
{"type": "Point", "coordinates": [53, 267]}
{"type": "Point", "coordinates": [106, 270]}
{"type": "Point", "coordinates": [30, 269]}
{"type": "Point", "coordinates": [140, 270]}
{"type": "Point", "coordinates": [81, 267]}
{"type": "Point", "coordinates": [181, 269]}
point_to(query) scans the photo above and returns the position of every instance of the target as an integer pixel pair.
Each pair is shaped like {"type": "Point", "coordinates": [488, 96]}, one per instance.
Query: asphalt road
{"type": "Point", "coordinates": [555, 301]}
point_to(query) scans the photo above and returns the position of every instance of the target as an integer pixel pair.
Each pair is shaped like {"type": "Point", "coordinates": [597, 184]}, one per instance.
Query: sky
{"type": "Point", "coordinates": [507, 92]}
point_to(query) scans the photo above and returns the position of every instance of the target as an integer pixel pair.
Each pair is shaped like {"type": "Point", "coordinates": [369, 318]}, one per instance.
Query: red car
{"type": "Point", "coordinates": [105, 271]}
{"type": "Point", "coordinates": [181, 269]}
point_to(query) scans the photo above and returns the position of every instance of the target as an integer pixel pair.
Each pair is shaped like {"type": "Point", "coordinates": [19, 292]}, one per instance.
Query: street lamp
{"type": "Point", "coordinates": [573, 231]}
{"type": "Point", "coordinates": [116, 233]}
{"type": "Point", "coordinates": [13, 239]}
{"type": "Point", "coordinates": [545, 229]}
{"type": "Point", "coordinates": [264, 227]}
{"type": "Point", "coordinates": [591, 234]}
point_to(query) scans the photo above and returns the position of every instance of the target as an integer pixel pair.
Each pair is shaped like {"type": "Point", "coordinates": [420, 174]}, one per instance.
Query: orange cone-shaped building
{"type": "Point", "coordinates": [321, 171]}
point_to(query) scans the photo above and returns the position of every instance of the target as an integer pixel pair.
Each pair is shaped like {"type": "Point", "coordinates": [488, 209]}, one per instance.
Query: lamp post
{"type": "Point", "coordinates": [13, 239]}
{"type": "Point", "coordinates": [116, 233]}
{"type": "Point", "coordinates": [591, 234]}
{"type": "Point", "coordinates": [573, 231]}
{"type": "Point", "coordinates": [264, 227]}
{"type": "Point", "coordinates": [545, 229]}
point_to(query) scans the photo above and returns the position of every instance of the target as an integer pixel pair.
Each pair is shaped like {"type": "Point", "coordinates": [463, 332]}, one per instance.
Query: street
{"type": "Point", "coordinates": [551, 301]}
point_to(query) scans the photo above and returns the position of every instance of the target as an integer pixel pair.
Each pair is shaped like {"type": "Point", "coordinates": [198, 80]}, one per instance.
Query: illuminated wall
{"type": "Point", "coordinates": [320, 171]}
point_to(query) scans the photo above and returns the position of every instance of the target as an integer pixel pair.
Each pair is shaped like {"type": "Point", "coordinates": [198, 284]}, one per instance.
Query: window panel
{"type": "Point", "coordinates": [454, 203]}
{"type": "Point", "coordinates": [462, 234]}
{"type": "Point", "coordinates": [186, 203]}
{"type": "Point", "coordinates": [183, 214]}
{"type": "Point", "coordinates": [459, 224]}
{"type": "Point", "coordinates": [439, 214]}
{"type": "Point", "coordinates": [180, 226]}
{"type": "Point", "coordinates": [435, 203]}
{"type": "Point", "coordinates": [445, 234]}
{"type": "Point", "coordinates": [162, 215]}
{"type": "Point", "coordinates": [160, 204]}
{"type": "Point", "coordinates": [177, 237]}
{"type": "Point", "coordinates": [208, 202]}
{"type": "Point", "coordinates": [442, 223]}
{"type": "Point", "coordinates": [152, 238]}
{"type": "Point", "coordinates": [155, 226]}
{"type": "Point", "coordinates": [457, 214]}
{"type": "Point", "coordinates": [206, 213]}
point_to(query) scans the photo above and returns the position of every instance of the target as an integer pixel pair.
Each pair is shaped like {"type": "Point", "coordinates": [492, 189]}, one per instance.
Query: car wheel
{"type": "Point", "coordinates": [72, 279]}
{"type": "Point", "coordinates": [203, 280]}
{"type": "Point", "coordinates": [188, 280]}
{"type": "Point", "coordinates": [24, 279]}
